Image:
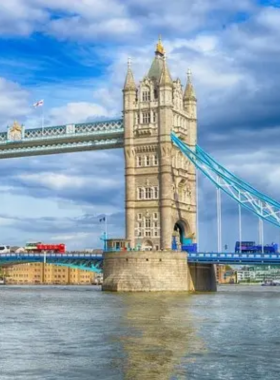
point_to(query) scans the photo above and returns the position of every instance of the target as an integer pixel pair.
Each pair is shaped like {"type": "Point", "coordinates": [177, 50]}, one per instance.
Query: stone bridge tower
{"type": "Point", "coordinates": [160, 181]}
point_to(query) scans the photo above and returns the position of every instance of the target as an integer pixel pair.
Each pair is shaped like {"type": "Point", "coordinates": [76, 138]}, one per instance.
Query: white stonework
{"type": "Point", "coordinates": [160, 181]}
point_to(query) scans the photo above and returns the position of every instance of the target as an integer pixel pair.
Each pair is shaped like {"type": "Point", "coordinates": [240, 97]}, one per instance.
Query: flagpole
{"type": "Point", "coordinates": [43, 118]}
{"type": "Point", "coordinates": [106, 231]}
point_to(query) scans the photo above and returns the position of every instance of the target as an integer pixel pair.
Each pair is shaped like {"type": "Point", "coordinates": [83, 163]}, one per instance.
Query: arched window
{"type": "Point", "coordinates": [140, 193]}
{"type": "Point", "coordinates": [155, 159]}
{"type": "Point", "coordinates": [146, 118]}
{"type": "Point", "coordinates": [156, 192]}
{"type": "Point", "coordinates": [148, 161]}
{"type": "Point", "coordinates": [149, 193]}
{"type": "Point", "coordinates": [146, 97]}
{"type": "Point", "coordinates": [148, 222]}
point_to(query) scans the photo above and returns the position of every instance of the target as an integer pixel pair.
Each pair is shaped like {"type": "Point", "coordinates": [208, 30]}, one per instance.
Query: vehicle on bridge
{"type": "Point", "coordinates": [4, 249]}
{"type": "Point", "coordinates": [252, 247]}
{"type": "Point", "coordinates": [48, 248]}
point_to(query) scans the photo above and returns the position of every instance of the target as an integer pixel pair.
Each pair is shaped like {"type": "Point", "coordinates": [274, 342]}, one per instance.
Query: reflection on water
{"type": "Point", "coordinates": [81, 333]}
{"type": "Point", "coordinates": [162, 336]}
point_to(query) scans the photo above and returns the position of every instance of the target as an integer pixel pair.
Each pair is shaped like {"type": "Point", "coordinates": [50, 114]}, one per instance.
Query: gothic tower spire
{"type": "Point", "coordinates": [129, 83]}
{"type": "Point", "coordinates": [157, 65]}
{"type": "Point", "coordinates": [165, 78]}
{"type": "Point", "coordinates": [189, 98]}
{"type": "Point", "coordinates": [189, 90]}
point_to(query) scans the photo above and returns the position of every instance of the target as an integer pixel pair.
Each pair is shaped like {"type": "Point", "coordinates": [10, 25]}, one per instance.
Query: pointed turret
{"type": "Point", "coordinates": [165, 78]}
{"type": "Point", "coordinates": [129, 83]}
{"type": "Point", "coordinates": [189, 99]}
{"type": "Point", "coordinates": [189, 90]}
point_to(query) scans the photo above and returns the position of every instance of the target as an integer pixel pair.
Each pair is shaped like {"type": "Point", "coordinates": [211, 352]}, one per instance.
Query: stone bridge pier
{"type": "Point", "coordinates": [155, 271]}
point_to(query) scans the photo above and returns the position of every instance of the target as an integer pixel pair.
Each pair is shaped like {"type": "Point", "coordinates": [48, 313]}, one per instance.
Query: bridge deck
{"type": "Point", "coordinates": [89, 258]}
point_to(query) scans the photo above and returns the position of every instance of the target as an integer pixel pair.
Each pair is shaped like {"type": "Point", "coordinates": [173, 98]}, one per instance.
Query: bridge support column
{"type": "Point", "coordinates": [202, 277]}
{"type": "Point", "coordinates": [152, 271]}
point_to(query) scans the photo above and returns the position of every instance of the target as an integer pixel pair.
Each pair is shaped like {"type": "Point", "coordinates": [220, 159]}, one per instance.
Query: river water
{"type": "Point", "coordinates": [81, 333]}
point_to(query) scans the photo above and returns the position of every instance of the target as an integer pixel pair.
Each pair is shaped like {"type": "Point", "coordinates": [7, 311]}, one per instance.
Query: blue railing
{"type": "Point", "coordinates": [234, 258]}
{"type": "Point", "coordinates": [87, 261]}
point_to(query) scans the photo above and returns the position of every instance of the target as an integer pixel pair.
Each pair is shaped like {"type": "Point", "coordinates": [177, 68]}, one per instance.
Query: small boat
{"type": "Point", "coordinates": [270, 283]}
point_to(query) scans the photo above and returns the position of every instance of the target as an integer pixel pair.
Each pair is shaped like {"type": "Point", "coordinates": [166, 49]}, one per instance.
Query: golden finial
{"type": "Point", "coordinates": [159, 47]}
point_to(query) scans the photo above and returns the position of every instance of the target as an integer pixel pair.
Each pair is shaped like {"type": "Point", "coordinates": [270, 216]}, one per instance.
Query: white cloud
{"type": "Point", "coordinates": [20, 17]}
{"type": "Point", "coordinates": [91, 19]}
{"type": "Point", "coordinates": [77, 112]}
{"type": "Point", "coordinates": [75, 236]}
{"type": "Point", "coordinates": [14, 102]}
{"type": "Point", "coordinates": [81, 29]}
{"type": "Point", "coordinates": [56, 181]}
{"type": "Point", "coordinates": [6, 221]}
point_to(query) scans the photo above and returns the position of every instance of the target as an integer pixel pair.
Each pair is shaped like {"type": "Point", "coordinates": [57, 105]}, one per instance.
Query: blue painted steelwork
{"type": "Point", "coordinates": [234, 258]}
{"type": "Point", "coordinates": [86, 261]}
{"type": "Point", "coordinates": [260, 204]}
{"type": "Point", "coordinates": [189, 247]}
{"type": "Point", "coordinates": [94, 262]}
{"type": "Point", "coordinates": [61, 139]}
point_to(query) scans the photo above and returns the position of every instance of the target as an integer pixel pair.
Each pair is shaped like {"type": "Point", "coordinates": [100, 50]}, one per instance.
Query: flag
{"type": "Point", "coordinates": [39, 104]}
{"type": "Point", "coordinates": [102, 219]}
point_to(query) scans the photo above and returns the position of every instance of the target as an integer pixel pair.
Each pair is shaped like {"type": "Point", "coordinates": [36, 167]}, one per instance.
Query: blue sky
{"type": "Point", "coordinates": [73, 55]}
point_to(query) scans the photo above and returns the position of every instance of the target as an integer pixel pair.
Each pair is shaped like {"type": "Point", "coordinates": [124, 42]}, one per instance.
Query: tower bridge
{"type": "Point", "coordinates": [158, 133]}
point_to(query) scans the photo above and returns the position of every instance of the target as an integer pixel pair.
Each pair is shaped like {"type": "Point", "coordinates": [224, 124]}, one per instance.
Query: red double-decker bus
{"type": "Point", "coordinates": [42, 247]}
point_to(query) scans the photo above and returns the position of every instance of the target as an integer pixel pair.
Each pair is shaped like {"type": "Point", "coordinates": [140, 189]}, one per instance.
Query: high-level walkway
{"type": "Point", "coordinates": [19, 142]}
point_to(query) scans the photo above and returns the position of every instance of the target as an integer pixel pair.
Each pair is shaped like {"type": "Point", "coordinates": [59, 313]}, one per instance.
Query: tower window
{"type": "Point", "coordinates": [155, 160]}
{"type": "Point", "coordinates": [146, 117]}
{"type": "Point", "coordinates": [139, 216]}
{"type": "Point", "coordinates": [146, 96]}
{"type": "Point", "coordinates": [140, 193]}
{"type": "Point", "coordinates": [147, 233]}
{"type": "Point", "coordinates": [156, 192]}
{"type": "Point", "coordinates": [139, 161]}
{"type": "Point", "coordinates": [138, 118]}
{"type": "Point", "coordinates": [154, 117]}
{"type": "Point", "coordinates": [149, 193]}
{"type": "Point", "coordinates": [148, 223]}
{"type": "Point", "coordinates": [155, 215]}
{"type": "Point", "coordinates": [147, 160]}
{"type": "Point", "coordinates": [155, 93]}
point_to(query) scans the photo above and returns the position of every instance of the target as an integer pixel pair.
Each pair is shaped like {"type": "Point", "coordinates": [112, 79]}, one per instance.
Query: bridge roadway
{"type": "Point", "coordinates": [93, 262]}
{"type": "Point", "coordinates": [86, 261]}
